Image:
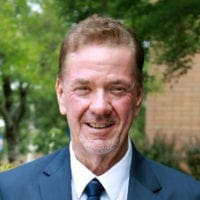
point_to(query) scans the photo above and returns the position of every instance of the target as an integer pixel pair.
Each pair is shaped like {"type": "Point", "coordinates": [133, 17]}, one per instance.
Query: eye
{"type": "Point", "coordinates": [118, 90]}
{"type": "Point", "coordinates": [82, 90]}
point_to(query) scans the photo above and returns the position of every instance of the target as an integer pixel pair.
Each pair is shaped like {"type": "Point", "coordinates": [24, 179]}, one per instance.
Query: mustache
{"type": "Point", "coordinates": [101, 118]}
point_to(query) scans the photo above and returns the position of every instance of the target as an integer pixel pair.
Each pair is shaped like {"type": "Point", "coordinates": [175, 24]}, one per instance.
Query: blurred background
{"type": "Point", "coordinates": [31, 31]}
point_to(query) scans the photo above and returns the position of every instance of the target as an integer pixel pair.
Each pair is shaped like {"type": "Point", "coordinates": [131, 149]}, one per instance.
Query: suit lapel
{"type": "Point", "coordinates": [55, 182]}
{"type": "Point", "coordinates": [143, 183]}
{"type": "Point", "coordinates": [140, 192]}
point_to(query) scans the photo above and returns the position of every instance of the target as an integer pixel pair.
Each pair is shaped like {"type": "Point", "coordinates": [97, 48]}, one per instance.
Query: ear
{"type": "Point", "coordinates": [60, 96]}
{"type": "Point", "coordinates": [139, 98]}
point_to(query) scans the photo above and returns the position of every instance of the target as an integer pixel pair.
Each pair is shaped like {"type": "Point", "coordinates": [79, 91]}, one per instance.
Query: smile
{"type": "Point", "coordinates": [98, 126]}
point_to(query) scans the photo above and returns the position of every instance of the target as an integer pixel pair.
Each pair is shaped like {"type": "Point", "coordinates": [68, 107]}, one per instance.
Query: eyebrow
{"type": "Point", "coordinates": [79, 81]}
{"type": "Point", "coordinates": [82, 81]}
{"type": "Point", "coordinates": [119, 82]}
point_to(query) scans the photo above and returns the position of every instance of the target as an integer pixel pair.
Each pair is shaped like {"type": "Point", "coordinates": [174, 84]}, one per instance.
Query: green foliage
{"type": "Point", "coordinates": [162, 150]}
{"type": "Point", "coordinates": [137, 130]}
{"type": "Point", "coordinates": [172, 30]}
{"type": "Point", "coordinates": [54, 139]}
{"type": "Point", "coordinates": [7, 166]}
{"type": "Point", "coordinates": [193, 158]}
{"type": "Point", "coordinates": [29, 48]}
{"type": "Point", "coordinates": [16, 53]}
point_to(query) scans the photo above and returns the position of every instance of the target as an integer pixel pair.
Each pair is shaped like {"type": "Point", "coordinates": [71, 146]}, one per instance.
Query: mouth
{"type": "Point", "coordinates": [99, 126]}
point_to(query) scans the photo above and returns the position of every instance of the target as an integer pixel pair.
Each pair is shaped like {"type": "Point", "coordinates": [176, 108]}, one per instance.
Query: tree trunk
{"type": "Point", "coordinates": [13, 113]}
{"type": "Point", "coordinates": [12, 143]}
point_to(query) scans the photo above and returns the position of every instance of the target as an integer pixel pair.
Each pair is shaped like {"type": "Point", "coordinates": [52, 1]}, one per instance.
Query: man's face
{"type": "Point", "coordinates": [98, 95]}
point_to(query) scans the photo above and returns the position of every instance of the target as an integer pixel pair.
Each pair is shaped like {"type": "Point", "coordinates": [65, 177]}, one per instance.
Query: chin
{"type": "Point", "coordinates": [101, 148]}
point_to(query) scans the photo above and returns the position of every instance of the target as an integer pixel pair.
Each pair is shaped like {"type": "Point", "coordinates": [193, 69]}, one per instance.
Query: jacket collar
{"type": "Point", "coordinates": [143, 183]}
{"type": "Point", "coordinates": [55, 182]}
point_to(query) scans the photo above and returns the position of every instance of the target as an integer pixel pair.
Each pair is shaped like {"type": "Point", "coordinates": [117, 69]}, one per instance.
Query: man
{"type": "Point", "coordinates": [99, 89]}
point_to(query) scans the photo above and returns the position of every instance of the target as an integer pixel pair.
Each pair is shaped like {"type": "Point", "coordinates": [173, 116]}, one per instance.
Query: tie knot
{"type": "Point", "coordinates": [94, 188]}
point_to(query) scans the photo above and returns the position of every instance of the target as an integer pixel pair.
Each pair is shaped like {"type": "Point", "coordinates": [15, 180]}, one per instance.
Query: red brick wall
{"type": "Point", "coordinates": [176, 110]}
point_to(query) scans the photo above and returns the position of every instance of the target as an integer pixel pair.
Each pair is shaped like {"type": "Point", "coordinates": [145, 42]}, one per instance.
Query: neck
{"type": "Point", "coordinates": [100, 163]}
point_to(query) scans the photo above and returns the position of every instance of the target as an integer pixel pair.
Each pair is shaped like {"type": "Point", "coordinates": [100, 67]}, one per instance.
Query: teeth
{"type": "Point", "coordinates": [95, 125]}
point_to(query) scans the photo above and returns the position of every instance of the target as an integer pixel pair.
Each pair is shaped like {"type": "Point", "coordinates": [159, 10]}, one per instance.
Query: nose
{"type": "Point", "coordinates": [100, 103]}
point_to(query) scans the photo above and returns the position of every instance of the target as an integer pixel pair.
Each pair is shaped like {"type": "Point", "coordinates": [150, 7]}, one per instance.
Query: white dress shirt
{"type": "Point", "coordinates": [115, 180]}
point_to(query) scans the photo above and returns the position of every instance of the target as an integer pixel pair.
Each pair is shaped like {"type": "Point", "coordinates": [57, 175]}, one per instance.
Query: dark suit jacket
{"type": "Point", "coordinates": [49, 178]}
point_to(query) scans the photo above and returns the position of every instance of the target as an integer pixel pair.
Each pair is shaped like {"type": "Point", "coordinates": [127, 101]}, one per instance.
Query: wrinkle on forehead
{"type": "Point", "coordinates": [108, 53]}
{"type": "Point", "coordinates": [99, 58]}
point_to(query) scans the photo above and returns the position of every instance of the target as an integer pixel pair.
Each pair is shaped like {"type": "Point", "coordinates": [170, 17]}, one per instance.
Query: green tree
{"type": "Point", "coordinates": [13, 54]}
{"type": "Point", "coordinates": [28, 54]}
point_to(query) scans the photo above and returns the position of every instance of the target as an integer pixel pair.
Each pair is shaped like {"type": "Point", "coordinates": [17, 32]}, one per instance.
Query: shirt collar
{"type": "Point", "coordinates": [82, 176]}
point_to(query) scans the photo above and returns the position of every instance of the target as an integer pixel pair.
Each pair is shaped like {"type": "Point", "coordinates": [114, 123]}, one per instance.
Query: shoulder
{"type": "Point", "coordinates": [167, 182]}
{"type": "Point", "coordinates": [29, 171]}
{"type": "Point", "coordinates": [175, 181]}
{"type": "Point", "coordinates": [163, 173]}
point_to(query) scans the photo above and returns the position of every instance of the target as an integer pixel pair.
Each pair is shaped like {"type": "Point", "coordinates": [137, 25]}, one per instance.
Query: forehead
{"type": "Point", "coordinates": [98, 56]}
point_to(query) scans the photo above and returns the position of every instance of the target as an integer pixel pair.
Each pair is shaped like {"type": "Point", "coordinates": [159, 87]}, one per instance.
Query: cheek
{"type": "Point", "coordinates": [76, 108]}
{"type": "Point", "coordinates": [125, 108]}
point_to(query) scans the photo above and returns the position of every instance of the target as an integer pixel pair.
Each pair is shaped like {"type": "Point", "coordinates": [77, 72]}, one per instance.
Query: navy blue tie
{"type": "Point", "coordinates": [94, 190]}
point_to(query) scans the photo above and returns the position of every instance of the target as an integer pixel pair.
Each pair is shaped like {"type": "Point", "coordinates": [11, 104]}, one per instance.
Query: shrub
{"type": "Point", "coordinates": [193, 158]}
{"type": "Point", "coordinates": [162, 150]}
{"type": "Point", "coordinates": [4, 166]}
